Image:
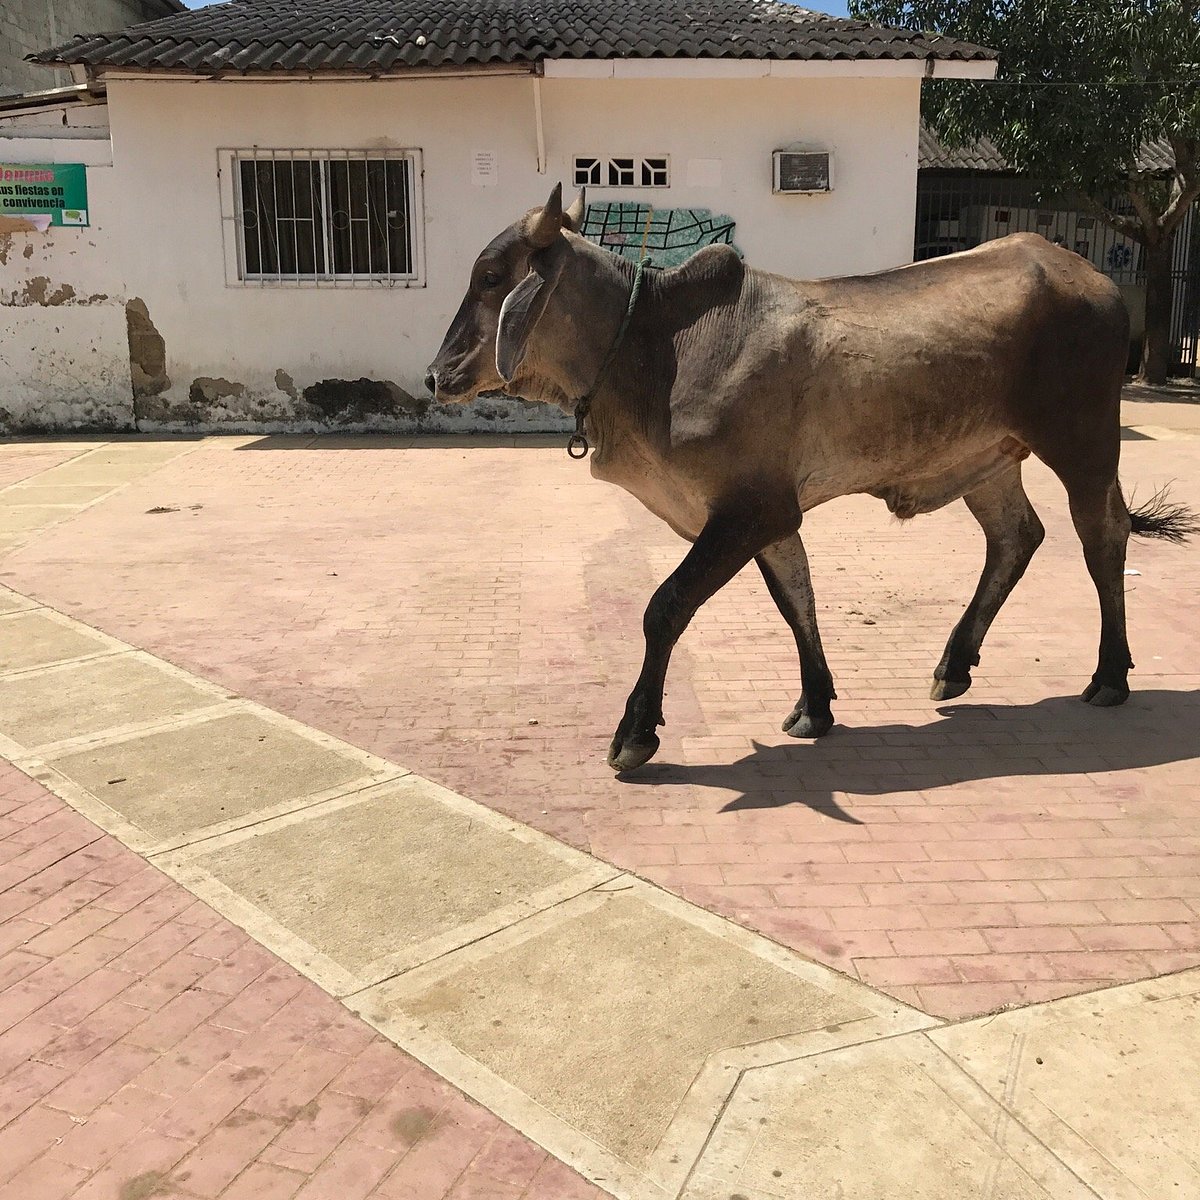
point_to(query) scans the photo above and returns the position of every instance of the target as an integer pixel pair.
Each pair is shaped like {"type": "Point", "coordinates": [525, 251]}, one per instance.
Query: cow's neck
{"type": "Point", "coordinates": [578, 330]}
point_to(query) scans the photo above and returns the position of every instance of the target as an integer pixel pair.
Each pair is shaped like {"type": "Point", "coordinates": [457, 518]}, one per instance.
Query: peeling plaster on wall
{"type": "Point", "coordinates": [286, 384]}
{"type": "Point", "coordinates": [251, 403]}
{"type": "Point", "coordinates": [343, 401]}
{"type": "Point", "coordinates": [206, 391]}
{"type": "Point", "coordinates": [147, 354]}
{"type": "Point", "coordinates": [37, 292]}
{"type": "Point", "coordinates": [263, 408]}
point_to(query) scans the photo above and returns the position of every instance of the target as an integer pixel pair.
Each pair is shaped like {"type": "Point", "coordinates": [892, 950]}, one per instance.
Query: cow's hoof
{"type": "Point", "coordinates": [949, 689]}
{"type": "Point", "coordinates": [802, 725]}
{"type": "Point", "coordinates": [1104, 695]}
{"type": "Point", "coordinates": [628, 755]}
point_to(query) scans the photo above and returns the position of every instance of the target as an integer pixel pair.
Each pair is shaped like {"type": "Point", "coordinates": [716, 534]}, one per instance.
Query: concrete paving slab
{"type": "Point", "coordinates": [11, 602]}
{"type": "Point", "coordinates": [207, 776]}
{"type": "Point", "coordinates": [115, 464]}
{"type": "Point", "coordinates": [38, 639]}
{"type": "Point", "coordinates": [21, 518]}
{"type": "Point", "coordinates": [615, 1025]}
{"type": "Point", "coordinates": [360, 888]}
{"type": "Point", "coordinates": [96, 469]}
{"type": "Point", "coordinates": [54, 493]}
{"type": "Point", "coordinates": [893, 1120]}
{"type": "Point", "coordinates": [1110, 1082]}
{"type": "Point", "coordinates": [44, 707]}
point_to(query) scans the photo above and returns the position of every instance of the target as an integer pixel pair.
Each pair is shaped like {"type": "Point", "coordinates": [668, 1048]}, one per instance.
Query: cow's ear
{"type": "Point", "coordinates": [522, 309]}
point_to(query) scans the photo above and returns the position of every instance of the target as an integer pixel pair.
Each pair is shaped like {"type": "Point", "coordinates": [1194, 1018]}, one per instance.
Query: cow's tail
{"type": "Point", "coordinates": [1161, 518]}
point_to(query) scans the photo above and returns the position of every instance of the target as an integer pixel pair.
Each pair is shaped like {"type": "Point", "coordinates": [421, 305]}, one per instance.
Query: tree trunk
{"type": "Point", "coordinates": [1157, 358]}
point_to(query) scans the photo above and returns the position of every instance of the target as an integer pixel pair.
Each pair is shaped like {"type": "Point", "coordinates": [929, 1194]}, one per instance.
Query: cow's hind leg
{"type": "Point", "coordinates": [784, 566]}
{"type": "Point", "coordinates": [1102, 522]}
{"type": "Point", "coordinates": [1013, 534]}
{"type": "Point", "coordinates": [724, 547]}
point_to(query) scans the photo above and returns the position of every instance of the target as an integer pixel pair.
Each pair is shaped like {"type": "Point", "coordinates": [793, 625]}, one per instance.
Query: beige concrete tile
{"type": "Point", "coordinates": [86, 698]}
{"type": "Point", "coordinates": [381, 881]}
{"type": "Point", "coordinates": [1109, 1081]}
{"type": "Point", "coordinates": [1160, 433]}
{"type": "Point", "coordinates": [55, 493]}
{"type": "Point", "coordinates": [25, 518]}
{"type": "Point", "coordinates": [11, 602]}
{"type": "Point", "coordinates": [97, 471]}
{"type": "Point", "coordinates": [183, 780]}
{"type": "Point", "coordinates": [114, 464]}
{"type": "Point", "coordinates": [893, 1120]}
{"type": "Point", "coordinates": [36, 639]}
{"type": "Point", "coordinates": [604, 1014]}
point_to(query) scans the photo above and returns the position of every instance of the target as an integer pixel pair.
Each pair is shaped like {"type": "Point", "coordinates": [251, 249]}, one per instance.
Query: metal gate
{"type": "Point", "coordinates": [958, 210]}
{"type": "Point", "coordinates": [1185, 291]}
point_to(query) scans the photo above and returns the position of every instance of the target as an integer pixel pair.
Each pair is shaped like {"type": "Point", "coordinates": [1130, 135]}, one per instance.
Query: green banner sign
{"type": "Point", "coordinates": [54, 190]}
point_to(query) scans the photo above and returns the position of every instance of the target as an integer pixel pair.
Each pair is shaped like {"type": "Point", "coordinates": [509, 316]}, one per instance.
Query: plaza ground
{"type": "Point", "coordinates": [456, 623]}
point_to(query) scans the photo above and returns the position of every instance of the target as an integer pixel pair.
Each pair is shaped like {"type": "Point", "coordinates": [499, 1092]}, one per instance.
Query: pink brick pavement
{"type": "Point", "coordinates": [431, 603]}
{"type": "Point", "coordinates": [148, 1048]}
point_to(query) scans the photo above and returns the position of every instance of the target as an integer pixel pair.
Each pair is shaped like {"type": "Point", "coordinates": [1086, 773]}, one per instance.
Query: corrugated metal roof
{"type": "Point", "coordinates": [983, 155]}
{"type": "Point", "coordinates": [389, 35]}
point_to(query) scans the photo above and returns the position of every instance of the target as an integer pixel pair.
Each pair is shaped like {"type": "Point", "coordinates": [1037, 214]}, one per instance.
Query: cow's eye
{"type": "Point", "coordinates": [489, 279]}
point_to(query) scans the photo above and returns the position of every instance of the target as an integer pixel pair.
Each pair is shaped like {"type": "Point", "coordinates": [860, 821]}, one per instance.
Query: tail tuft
{"type": "Point", "coordinates": [1159, 518]}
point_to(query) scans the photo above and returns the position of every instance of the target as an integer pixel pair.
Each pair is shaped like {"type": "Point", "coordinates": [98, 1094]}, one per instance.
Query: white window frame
{"type": "Point", "coordinates": [232, 229]}
{"type": "Point", "coordinates": [608, 167]}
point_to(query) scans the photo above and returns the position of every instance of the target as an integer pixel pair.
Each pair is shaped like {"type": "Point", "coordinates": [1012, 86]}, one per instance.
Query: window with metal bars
{"type": "Point", "coordinates": [312, 216]}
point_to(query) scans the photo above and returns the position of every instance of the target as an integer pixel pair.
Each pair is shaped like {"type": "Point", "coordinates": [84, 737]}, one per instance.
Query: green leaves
{"type": "Point", "coordinates": [1082, 84]}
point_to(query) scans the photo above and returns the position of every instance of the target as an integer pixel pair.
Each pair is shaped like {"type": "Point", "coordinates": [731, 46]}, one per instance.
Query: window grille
{"type": "Point", "coordinates": [324, 217]}
{"type": "Point", "coordinates": [652, 172]}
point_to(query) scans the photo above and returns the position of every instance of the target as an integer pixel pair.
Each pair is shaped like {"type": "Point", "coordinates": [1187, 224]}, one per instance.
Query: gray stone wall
{"type": "Point", "coordinates": [30, 25]}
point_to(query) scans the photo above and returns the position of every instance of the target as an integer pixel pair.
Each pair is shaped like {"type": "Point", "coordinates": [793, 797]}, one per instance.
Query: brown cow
{"type": "Point", "coordinates": [738, 400]}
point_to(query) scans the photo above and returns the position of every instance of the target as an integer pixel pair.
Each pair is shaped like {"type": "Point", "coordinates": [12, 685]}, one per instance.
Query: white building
{"type": "Point", "coordinates": [284, 219]}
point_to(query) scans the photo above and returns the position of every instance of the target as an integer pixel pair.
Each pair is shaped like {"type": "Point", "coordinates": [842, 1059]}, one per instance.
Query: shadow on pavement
{"type": "Point", "coordinates": [973, 743]}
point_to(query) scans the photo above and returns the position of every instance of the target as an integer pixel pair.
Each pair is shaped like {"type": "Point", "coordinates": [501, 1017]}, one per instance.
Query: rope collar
{"type": "Point", "coordinates": [578, 445]}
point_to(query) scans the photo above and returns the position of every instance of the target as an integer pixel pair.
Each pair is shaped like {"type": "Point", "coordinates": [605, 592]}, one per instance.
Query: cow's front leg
{"type": "Point", "coordinates": [784, 566]}
{"type": "Point", "coordinates": [724, 547]}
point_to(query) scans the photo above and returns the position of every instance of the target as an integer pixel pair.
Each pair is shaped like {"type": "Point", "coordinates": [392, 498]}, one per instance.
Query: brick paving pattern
{"type": "Point", "coordinates": [430, 604]}
{"type": "Point", "coordinates": [149, 1048]}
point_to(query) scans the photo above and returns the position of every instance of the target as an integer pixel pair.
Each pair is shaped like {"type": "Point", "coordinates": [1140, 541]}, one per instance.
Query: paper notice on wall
{"type": "Point", "coordinates": [484, 169]}
{"type": "Point", "coordinates": [704, 172]}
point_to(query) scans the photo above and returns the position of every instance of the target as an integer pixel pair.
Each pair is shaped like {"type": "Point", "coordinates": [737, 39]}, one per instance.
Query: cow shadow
{"type": "Point", "coordinates": [971, 743]}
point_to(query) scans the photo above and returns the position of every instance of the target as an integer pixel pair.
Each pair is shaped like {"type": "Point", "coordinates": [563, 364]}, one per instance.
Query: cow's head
{"type": "Point", "coordinates": [511, 284]}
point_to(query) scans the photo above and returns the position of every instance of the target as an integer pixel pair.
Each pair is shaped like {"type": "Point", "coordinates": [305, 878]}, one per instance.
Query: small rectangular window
{"type": "Point", "coordinates": [654, 172]}
{"type": "Point", "coordinates": [313, 216]}
{"type": "Point", "coordinates": [623, 171]}
{"type": "Point", "coordinates": [587, 172]}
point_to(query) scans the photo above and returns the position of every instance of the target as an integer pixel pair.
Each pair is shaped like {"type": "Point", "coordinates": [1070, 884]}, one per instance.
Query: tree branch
{"type": "Point", "coordinates": [1177, 209]}
{"type": "Point", "coordinates": [1187, 182]}
{"type": "Point", "coordinates": [1146, 215]}
{"type": "Point", "coordinates": [1122, 224]}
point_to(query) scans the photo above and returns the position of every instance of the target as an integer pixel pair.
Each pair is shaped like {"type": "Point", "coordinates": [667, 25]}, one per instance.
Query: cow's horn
{"type": "Point", "coordinates": [573, 217]}
{"type": "Point", "coordinates": [547, 225]}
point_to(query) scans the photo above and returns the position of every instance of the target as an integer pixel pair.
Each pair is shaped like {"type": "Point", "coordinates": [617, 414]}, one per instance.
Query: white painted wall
{"type": "Point", "coordinates": [64, 355]}
{"type": "Point", "coordinates": [166, 201]}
